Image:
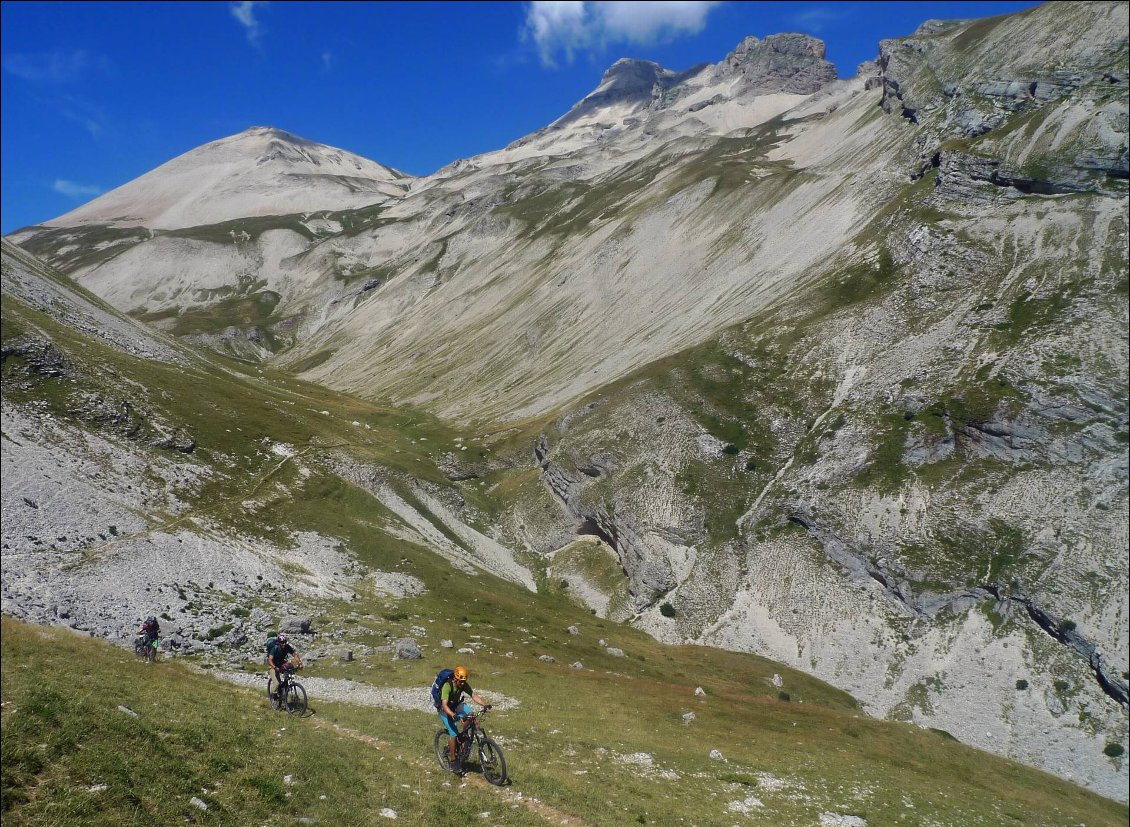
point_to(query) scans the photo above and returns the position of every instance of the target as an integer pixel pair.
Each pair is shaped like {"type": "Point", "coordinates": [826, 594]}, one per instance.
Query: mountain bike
{"type": "Point", "coordinates": [145, 648]}
{"type": "Point", "coordinates": [491, 761]}
{"type": "Point", "coordinates": [291, 695]}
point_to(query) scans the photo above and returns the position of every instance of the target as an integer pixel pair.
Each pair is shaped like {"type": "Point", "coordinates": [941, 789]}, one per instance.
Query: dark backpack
{"type": "Point", "coordinates": [151, 628]}
{"type": "Point", "coordinates": [271, 641]}
{"type": "Point", "coordinates": [443, 677]}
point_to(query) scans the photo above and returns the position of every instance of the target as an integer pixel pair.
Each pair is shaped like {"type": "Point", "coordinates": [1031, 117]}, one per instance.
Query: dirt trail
{"type": "Point", "coordinates": [549, 813]}
{"type": "Point", "coordinates": [367, 695]}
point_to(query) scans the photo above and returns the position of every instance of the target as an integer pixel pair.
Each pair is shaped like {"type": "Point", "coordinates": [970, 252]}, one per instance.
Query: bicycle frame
{"type": "Point", "coordinates": [472, 731]}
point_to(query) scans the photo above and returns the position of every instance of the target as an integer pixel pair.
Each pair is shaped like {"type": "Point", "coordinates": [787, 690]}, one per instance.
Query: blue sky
{"type": "Point", "coordinates": [96, 94]}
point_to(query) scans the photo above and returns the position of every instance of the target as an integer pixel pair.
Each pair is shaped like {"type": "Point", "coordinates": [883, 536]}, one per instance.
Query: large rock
{"type": "Point", "coordinates": [406, 649]}
{"type": "Point", "coordinates": [294, 625]}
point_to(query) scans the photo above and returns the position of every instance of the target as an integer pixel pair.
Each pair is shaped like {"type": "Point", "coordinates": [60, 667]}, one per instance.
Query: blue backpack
{"type": "Point", "coordinates": [443, 677]}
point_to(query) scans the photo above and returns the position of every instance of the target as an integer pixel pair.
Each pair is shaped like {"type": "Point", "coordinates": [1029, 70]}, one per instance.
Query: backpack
{"type": "Point", "coordinates": [443, 677]}
{"type": "Point", "coordinates": [271, 641]}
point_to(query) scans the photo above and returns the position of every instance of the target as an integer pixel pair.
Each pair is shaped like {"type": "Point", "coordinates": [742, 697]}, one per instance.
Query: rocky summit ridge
{"type": "Point", "coordinates": [833, 371]}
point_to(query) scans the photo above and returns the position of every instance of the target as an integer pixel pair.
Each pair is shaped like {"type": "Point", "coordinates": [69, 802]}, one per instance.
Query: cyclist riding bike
{"type": "Point", "coordinates": [150, 630]}
{"type": "Point", "coordinates": [452, 709]}
{"type": "Point", "coordinates": [277, 659]}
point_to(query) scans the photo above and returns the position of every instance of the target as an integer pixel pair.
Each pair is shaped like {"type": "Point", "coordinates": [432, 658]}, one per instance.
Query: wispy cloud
{"type": "Point", "coordinates": [89, 116]}
{"type": "Point", "coordinates": [56, 67]}
{"type": "Point", "coordinates": [571, 26]}
{"type": "Point", "coordinates": [244, 12]}
{"type": "Point", "coordinates": [817, 18]}
{"type": "Point", "coordinates": [79, 192]}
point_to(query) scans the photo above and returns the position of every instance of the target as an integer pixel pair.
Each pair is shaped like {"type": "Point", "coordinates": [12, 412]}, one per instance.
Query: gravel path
{"type": "Point", "coordinates": [362, 694]}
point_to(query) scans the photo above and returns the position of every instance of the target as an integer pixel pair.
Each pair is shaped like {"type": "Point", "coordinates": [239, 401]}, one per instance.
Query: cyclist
{"type": "Point", "coordinates": [452, 709]}
{"type": "Point", "coordinates": [277, 660]}
{"type": "Point", "coordinates": [150, 630]}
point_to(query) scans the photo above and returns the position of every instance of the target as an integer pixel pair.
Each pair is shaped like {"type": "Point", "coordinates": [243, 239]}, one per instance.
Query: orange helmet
{"type": "Point", "coordinates": [461, 673]}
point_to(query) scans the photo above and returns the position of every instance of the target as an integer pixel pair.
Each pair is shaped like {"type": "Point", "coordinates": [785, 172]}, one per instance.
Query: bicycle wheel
{"type": "Point", "coordinates": [295, 699]}
{"type": "Point", "coordinates": [441, 750]}
{"type": "Point", "coordinates": [151, 652]}
{"type": "Point", "coordinates": [139, 647]}
{"type": "Point", "coordinates": [492, 762]}
{"type": "Point", "coordinates": [271, 687]}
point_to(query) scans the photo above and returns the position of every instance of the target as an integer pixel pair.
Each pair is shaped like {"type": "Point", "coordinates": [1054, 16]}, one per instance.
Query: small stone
{"type": "Point", "coordinates": [466, 650]}
{"type": "Point", "coordinates": [778, 680]}
{"type": "Point", "coordinates": [196, 802]}
{"type": "Point", "coordinates": [388, 812]}
{"type": "Point", "coordinates": [699, 692]}
{"type": "Point", "coordinates": [688, 717]}
{"type": "Point", "coordinates": [716, 755]}
{"type": "Point", "coordinates": [128, 711]}
{"type": "Point", "coordinates": [446, 644]}
{"type": "Point", "coordinates": [573, 630]}
{"type": "Point", "coordinates": [616, 653]}
{"type": "Point", "coordinates": [577, 665]}
{"type": "Point", "coordinates": [547, 658]}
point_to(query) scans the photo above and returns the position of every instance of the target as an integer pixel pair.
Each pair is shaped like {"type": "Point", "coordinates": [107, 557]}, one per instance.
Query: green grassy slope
{"type": "Point", "coordinates": [71, 756]}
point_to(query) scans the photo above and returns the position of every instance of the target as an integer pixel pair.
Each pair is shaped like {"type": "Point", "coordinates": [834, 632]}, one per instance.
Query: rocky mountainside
{"type": "Point", "coordinates": [746, 356]}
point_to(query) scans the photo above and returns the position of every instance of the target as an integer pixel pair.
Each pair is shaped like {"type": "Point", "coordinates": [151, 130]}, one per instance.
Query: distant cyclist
{"type": "Point", "coordinates": [277, 658]}
{"type": "Point", "coordinates": [452, 709]}
{"type": "Point", "coordinates": [150, 630]}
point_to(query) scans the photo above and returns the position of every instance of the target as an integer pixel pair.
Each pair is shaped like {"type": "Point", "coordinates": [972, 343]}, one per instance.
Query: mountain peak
{"type": "Point", "coordinates": [789, 62]}
{"type": "Point", "coordinates": [262, 170]}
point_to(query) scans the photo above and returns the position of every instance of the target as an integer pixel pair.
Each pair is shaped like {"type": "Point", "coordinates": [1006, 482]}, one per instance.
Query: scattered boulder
{"type": "Point", "coordinates": [577, 665]}
{"type": "Point", "coordinates": [294, 625]}
{"type": "Point", "coordinates": [573, 630]}
{"type": "Point", "coordinates": [778, 681]}
{"type": "Point", "coordinates": [688, 717]}
{"type": "Point", "coordinates": [406, 649]}
{"type": "Point", "coordinates": [616, 653]}
{"type": "Point", "coordinates": [466, 650]}
{"type": "Point", "coordinates": [547, 658]}
{"type": "Point", "coordinates": [716, 755]}
{"type": "Point", "coordinates": [260, 618]}
{"type": "Point", "coordinates": [196, 802]}
{"type": "Point", "coordinates": [446, 644]}
{"type": "Point", "coordinates": [699, 692]}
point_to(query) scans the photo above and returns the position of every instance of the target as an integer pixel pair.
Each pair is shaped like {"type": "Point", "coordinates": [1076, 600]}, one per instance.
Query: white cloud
{"type": "Point", "coordinates": [244, 12]}
{"type": "Point", "coordinates": [79, 192]}
{"type": "Point", "coordinates": [55, 67]}
{"type": "Point", "coordinates": [570, 26]}
{"type": "Point", "coordinates": [817, 19]}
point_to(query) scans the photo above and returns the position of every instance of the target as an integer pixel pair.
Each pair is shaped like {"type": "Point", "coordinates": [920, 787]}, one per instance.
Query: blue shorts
{"type": "Point", "coordinates": [461, 712]}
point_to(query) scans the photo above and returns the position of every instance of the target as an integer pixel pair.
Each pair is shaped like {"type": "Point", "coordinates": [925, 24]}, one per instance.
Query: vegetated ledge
{"type": "Point", "coordinates": [958, 171]}
{"type": "Point", "coordinates": [900, 590]}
